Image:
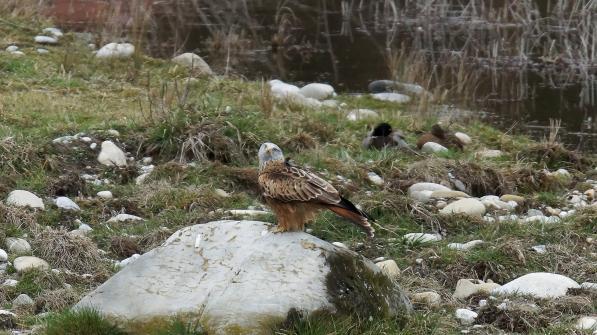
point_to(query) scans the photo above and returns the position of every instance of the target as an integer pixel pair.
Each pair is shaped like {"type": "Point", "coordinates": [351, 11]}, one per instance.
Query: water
{"type": "Point", "coordinates": [521, 64]}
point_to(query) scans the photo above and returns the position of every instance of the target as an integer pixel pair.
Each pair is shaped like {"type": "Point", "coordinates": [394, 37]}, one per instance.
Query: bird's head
{"type": "Point", "coordinates": [269, 152]}
{"type": "Point", "coordinates": [382, 129]}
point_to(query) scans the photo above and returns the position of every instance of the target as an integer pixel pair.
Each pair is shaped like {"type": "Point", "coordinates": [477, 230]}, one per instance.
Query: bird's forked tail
{"type": "Point", "coordinates": [348, 210]}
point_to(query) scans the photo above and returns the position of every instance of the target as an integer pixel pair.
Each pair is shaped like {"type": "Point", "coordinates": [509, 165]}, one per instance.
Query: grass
{"type": "Point", "coordinates": [204, 135]}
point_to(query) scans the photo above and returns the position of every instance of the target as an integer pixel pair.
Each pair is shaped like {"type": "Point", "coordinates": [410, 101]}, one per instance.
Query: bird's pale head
{"type": "Point", "coordinates": [269, 152]}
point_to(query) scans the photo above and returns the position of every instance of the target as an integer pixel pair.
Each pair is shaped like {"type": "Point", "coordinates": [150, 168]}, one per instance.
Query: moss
{"type": "Point", "coordinates": [356, 289]}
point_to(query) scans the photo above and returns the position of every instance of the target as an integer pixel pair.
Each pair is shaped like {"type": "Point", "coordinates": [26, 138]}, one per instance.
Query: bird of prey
{"type": "Point", "coordinates": [383, 136]}
{"type": "Point", "coordinates": [440, 136]}
{"type": "Point", "coordinates": [295, 195]}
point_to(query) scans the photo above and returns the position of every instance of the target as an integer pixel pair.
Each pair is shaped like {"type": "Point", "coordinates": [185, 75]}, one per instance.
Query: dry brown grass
{"type": "Point", "coordinates": [64, 250]}
{"type": "Point", "coordinates": [56, 300]}
{"type": "Point", "coordinates": [208, 142]}
{"type": "Point", "coordinates": [124, 246]}
{"type": "Point", "coordinates": [553, 156]}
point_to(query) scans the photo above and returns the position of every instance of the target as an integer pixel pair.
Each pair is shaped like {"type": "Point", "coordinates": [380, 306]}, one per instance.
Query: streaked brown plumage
{"type": "Point", "coordinates": [439, 136]}
{"type": "Point", "coordinates": [295, 195]}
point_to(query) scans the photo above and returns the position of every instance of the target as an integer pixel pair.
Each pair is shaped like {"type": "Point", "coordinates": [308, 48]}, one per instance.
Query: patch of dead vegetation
{"type": "Point", "coordinates": [209, 141]}
{"type": "Point", "coordinates": [478, 180]}
{"type": "Point", "coordinates": [22, 218]}
{"type": "Point", "coordinates": [553, 156]}
{"type": "Point", "coordinates": [299, 142]}
{"type": "Point", "coordinates": [56, 300]}
{"type": "Point", "coordinates": [69, 251]}
{"type": "Point", "coordinates": [154, 238]}
{"type": "Point", "coordinates": [68, 185]}
{"type": "Point", "coordinates": [124, 246]}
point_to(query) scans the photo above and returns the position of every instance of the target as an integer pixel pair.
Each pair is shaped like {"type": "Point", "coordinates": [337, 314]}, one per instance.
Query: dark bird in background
{"type": "Point", "coordinates": [440, 136]}
{"type": "Point", "coordinates": [384, 136]}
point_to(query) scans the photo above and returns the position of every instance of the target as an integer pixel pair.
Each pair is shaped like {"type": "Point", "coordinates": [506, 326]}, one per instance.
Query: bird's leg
{"type": "Point", "coordinates": [278, 229]}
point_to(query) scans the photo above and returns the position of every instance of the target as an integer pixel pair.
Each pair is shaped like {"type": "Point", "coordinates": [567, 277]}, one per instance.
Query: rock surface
{"type": "Point", "coordinates": [538, 284]}
{"type": "Point", "coordinates": [422, 191]}
{"type": "Point", "coordinates": [115, 50]}
{"type": "Point", "coordinates": [22, 300]}
{"type": "Point", "coordinates": [362, 113]}
{"type": "Point", "coordinates": [432, 147]}
{"type": "Point", "coordinates": [20, 198]}
{"type": "Point", "coordinates": [467, 287]}
{"type": "Point", "coordinates": [225, 273]}
{"type": "Point", "coordinates": [317, 91]}
{"type": "Point", "coordinates": [111, 155]}
{"type": "Point", "coordinates": [431, 299]}
{"type": "Point", "coordinates": [469, 206]}
{"type": "Point", "coordinates": [466, 316]}
{"type": "Point", "coordinates": [390, 268]}
{"type": "Point", "coordinates": [17, 245]}
{"type": "Point", "coordinates": [67, 204]}
{"type": "Point", "coordinates": [422, 238]}
{"type": "Point", "coordinates": [392, 97]}
{"type": "Point", "coordinates": [193, 62]}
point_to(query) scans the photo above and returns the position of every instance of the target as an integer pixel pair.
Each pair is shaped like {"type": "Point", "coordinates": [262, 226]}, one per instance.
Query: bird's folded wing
{"type": "Point", "coordinates": [291, 183]}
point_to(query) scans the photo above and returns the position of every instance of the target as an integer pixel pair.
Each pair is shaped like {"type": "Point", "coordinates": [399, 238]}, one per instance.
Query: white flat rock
{"type": "Point", "coordinates": [115, 50]}
{"type": "Point", "coordinates": [392, 97]}
{"type": "Point", "coordinates": [232, 283]}
{"type": "Point", "coordinates": [463, 138]}
{"type": "Point", "coordinates": [45, 39]}
{"type": "Point", "coordinates": [317, 91]}
{"type": "Point", "coordinates": [422, 237]}
{"type": "Point", "coordinates": [25, 263]}
{"type": "Point", "coordinates": [67, 204]}
{"type": "Point", "coordinates": [466, 316]}
{"type": "Point", "coordinates": [124, 218]}
{"type": "Point", "coordinates": [432, 148]}
{"type": "Point", "coordinates": [468, 206]}
{"type": "Point", "coordinates": [194, 62]}
{"type": "Point", "coordinates": [465, 246]}
{"type": "Point", "coordinates": [21, 198]}
{"type": "Point", "coordinates": [105, 195]}
{"type": "Point", "coordinates": [538, 284]}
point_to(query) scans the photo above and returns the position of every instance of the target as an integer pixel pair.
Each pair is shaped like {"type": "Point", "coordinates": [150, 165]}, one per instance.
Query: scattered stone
{"type": "Point", "coordinates": [17, 246]}
{"type": "Point", "coordinates": [463, 138]}
{"type": "Point", "coordinates": [488, 154]}
{"type": "Point", "coordinates": [375, 178]}
{"type": "Point", "coordinates": [542, 219]}
{"type": "Point", "coordinates": [193, 62]}
{"type": "Point", "coordinates": [20, 198]}
{"type": "Point", "coordinates": [468, 287]}
{"type": "Point", "coordinates": [448, 195]}
{"type": "Point", "coordinates": [432, 147]}
{"type": "Point", "coordinates": [17, 53]}
{"type": "Point", "coordinates": [392, 97]}
{"type": "Point", "coordinates": [553, 211]}
{"type": "Point", "coordinates": [281, 89]}
{"type": "Point", "coordinates": [534, 212]}
{"type": "Point", "coordinates": [105, 195]}
{"type": "Point", "coordinates": [25, 263]}
{"type": "Point", "coordinates": [441, 204]}
{"type": "Point", "coordinates": [430, 299]}
{"type": "Point", "coordinates": [45, 39]}
{"type": "Point", "coordinates": [590, 194]}
{"type": "Point", "coordinates": [390, 268]}
{"type": "Point", "coordinates": [466, 316]}
{"type": "Point", "coordinates": [539, 285]}
{"type": "Point", "coordinates": [23, 300]}
{"type": "Point", "coordinates": [221, 193]}
{"type": "Point", "coordinates": [66, 204]}
{"type": "Point", "coordinates": [422, 192]}
{"type": "Point", "coordinates": [12, 48]}
{"type": "Point", "coordinates": [562, 173]}
{"type": "Point", "coordinates": [147, 160]}
{"type": "Point", "coordinates": [92, 146]}
{"type": "Point", "coordinates": [422, 238]}
{"type": "Point", "coordinates": [111, 155]}
{"type": "Point", "coordinates": [330, 103]}
{"type": "Point", "coordinates": [317, 91]}
{"type": "Point", "coordinates": [465, 246]}
{"type": "Point", "coordinates": [469, 206]}
{"type": "Point", "coordinates": [589, 286]}
{"type": "Point", "coordinates": [492, 202]}
{"type": "Point", "coordinates": [113, 132]}
{"type": "Point", "coordinates": [53, 31]}
{"type": "Point", "coordinates": [115, 50]}
{"type": "Point", "coordinates": [141, 178]}
{"type": "Point", "coordinates": [10, 282]}
{"type": "Point", "coordinates": [511, 197]}
{"type": "Point", "coordinates": [379, 259]}
{"type": "Point", "coordinates": [586, 323]}
{"type": "Point", "coordinates": [124, 218]}
{"type": "Point", "coordinates": [230, 280]}
{"type": "Point", "coordinates": [383, 86]}
{"type": "Point", "coordinates": [540, 249]}
{"type": "Point", "coordinates": [42, 51]}
{"type": "Point", "coordinates": [362, 113]}
{"type": "Point", "coordinates": [3, 256]}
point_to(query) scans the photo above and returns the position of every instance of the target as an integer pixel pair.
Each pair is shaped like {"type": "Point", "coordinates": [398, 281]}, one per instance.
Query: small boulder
{"type": "Point", "coordinates": [20, 198]}
{"type": "Point", "coordinates": [466, 316]}
{"type": "Point", "coordinates": [193, 62]}
{"type": "Point", "coordinates": [115, 50]}
{"type": "Point", "coordinates": [468, 287]}
{"type": "Point", "coordinates": [392, 97]}
{"type": "Point", "coordinates": [465, 246]}
{"type": "Point", "coordinates": [422, 238]}
{"type": "Point", "coordinates": [25, 263]}
{"type": "Point", "coordinates": [511, 197]}
{"type": "Point", "coordinates": [448, 195]}
{"type": "Point", "coordinates": [111, 155]}
{"type": "Point", "coordinates": [492, 202]}
{"type": "Point", "coordinates": [463, 138]}
{"type": "Point", "coordinates": [281, 89]}
{"type": "Point", "coordinates": [432, 147]}
{"type": "Point", "coordinates": [469, 206]}
{"type": "Point", "coordinates": [390, 268]}
{"type": "Point", "coordinates": [12, 48]}
{"type": "Point", "coordinates": [105, 195]}
{"type": "Point", "coordinates": [422, 192]}
{"type": "Point", "coordinates": [66, 204]}
{"type": "Point", "coordinates": [3, 256]}
{"type": "Point", "coordinates": [362, 113]}
{"type": "Point", "coordinates": [53, 31]}
{"type": "Point", "coordinates": [45, 39]}
{"type": "Point", "coordinates": [124, 218]}
{"type": "Point", "coordinates": [375, 179]}
{"type": "Point", "coordinates": [589, 286]}
{"type": "Point", "coordinates": [18, 246]}
{"type": "Point", "coordinates": [586, 323]}
{"type": "Point", "coordinates": [317, 91]}
{"type": "Point", "coordinates": [539, 285]}
{"type": "Point", "coordinates": [430, 299]}
{"type": "Point", "coordinates": [23, 300]}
